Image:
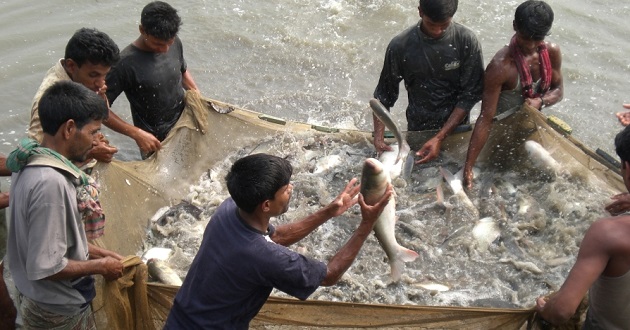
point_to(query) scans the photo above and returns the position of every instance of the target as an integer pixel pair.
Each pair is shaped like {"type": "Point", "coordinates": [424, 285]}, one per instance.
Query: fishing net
{"type": "Point", "coordinates": [208, 131]}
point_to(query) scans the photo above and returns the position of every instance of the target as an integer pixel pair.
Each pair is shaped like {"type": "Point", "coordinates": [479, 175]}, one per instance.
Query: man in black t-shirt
{"type": "Point", "coordinates": [441, 64]}
{"type": "Point", "coordinates": [152, 73]}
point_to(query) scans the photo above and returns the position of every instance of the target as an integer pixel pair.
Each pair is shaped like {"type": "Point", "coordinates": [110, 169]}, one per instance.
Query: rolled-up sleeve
{"type": "Point", "coordinates": [389, 83]}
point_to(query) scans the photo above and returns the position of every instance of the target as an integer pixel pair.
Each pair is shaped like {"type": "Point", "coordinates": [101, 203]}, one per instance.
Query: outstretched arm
{"type": "Point", "coordinates": [293, 232]}
{"type": "Point", "coordinates": [342, 260]}
{"type": "Point", "coordinates": [593, 257]}
{"type": "Point", "coordinates": [497, 75]}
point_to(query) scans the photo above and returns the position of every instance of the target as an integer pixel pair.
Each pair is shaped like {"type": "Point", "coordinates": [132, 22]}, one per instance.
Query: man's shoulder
{"type": "Point", "coordinates": [407, 33]}
{"type": "Point", "coordinates": [611, 227]}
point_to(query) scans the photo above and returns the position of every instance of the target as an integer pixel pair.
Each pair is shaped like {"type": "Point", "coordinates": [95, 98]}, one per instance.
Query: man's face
{"type": "Point", "coordinates": [280, 203]}
{"type": "Point", "coordinates": [156, 45]}
{"type": "Point", "coordinates": [89, 75]}
{"type": "Point", "coordinates": [433, 29]}
{"type": "Point", "coordinates": [83, 140]}
{"type": "Point", "coordinates": [527, 44]}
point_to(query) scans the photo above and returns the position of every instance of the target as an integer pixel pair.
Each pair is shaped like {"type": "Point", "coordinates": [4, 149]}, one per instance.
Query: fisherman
{"type": "Point", "coordinates": [152, 73]}
{"type": "Point", "coordinates": [528, 70]}
{"type": "Point", "coordinates": [243, 257]}
{"type": "Point", "coordinates": [442, 66]}
{"type": "Point", "coordinates": [88, 57]}
{"type": "Point", "coordinates": [602, 268]}
{"type": "Point", "coordinates": [50, 259]}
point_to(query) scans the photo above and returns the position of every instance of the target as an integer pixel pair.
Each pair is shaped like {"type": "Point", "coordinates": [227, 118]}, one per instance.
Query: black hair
{"type": "Point", "coordinates": [533, 19]}
{"type": "Point", "coordinates": [439, 10]}
{"type": "Point", "coordinates": [256, 178]}
{"type": "Point", "coordinates": [622, 144]}
{"type": "Point", "coordinates": [160, 20]}
{"type": "Point", "coordinates": [66, 100]}
{"type": "Point", "coordinates": [92, 45]}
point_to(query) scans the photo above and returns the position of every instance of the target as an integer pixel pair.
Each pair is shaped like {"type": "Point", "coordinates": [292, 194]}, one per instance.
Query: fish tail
{"type": "Point", "coordinates": [396, 269]}
{"type": "Point", "coordinates": [453, 182]}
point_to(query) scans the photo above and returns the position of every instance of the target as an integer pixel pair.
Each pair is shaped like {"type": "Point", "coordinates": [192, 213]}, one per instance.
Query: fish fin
{"type": "Point", "coordinates": [396, 269]}
{"type": "Point", "coordinates": [453, 182]}
{"type": "Point", "coordinates": [407, 255]}
{"type": "Point", "coordinates": [403, 255]}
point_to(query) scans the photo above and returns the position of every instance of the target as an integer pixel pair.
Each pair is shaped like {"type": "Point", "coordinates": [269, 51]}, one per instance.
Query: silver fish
{"type": "Point", "coordinates": [464, 207]}
{"type": "Point", "coordinates": [543, 159]}
{"type": "Point", "coordinates": [374, 182]}
{"type": "Point", "coordinates": [159, 270]}
{"type": "Point", "coordinates": [383, 115]}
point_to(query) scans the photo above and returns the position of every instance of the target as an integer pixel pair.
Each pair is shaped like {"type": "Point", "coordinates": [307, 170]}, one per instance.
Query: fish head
{"type": "Point", "coordinates": [373, 177]}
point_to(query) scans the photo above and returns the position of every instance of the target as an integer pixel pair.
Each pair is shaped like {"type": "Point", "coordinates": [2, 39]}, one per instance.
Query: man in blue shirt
{"type": "Point", "coordinates": [243, 257]}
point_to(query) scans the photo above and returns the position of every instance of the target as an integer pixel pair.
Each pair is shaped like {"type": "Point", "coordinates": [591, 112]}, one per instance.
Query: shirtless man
{"type": "Point", "coordinates": [507, 81]}
{"type": "Point", "coordinates": [602, 268]}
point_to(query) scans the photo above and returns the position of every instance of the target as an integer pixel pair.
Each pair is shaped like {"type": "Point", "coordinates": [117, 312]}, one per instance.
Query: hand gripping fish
{"type": "Point", "coordinates": [401, 151]}
{"type": "Point", "coordinates": [374, 182]}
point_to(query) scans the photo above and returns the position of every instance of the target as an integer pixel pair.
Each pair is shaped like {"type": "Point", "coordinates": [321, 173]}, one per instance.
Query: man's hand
{"type": "Point", "coordinates": [535, 102]}
{"type": "Point", "coordinates": [429, 151]}
{"type": "Point", "coordinates": [346, 198]}
{"type": "Point", "coordinates": [98, 253]}
{"type": "Point", "coordinates": [380, 145]}
{"type": "Point", "coordinates": [146, 141]}
{"type": "Point", "coordinates": [102, 152]}
{"type": "Point", "coordinates": [370, 213]}
{"type": "Point", "coordinates": [102, 93]}
{"type": "Point", "coordinates": [620, 204]}
{"type": "Point", "coordinates": [468, 177]}
{"type": "Point", "coordinates": [624, 117]}
{"type": "Point", "coordinates": [111, 269]}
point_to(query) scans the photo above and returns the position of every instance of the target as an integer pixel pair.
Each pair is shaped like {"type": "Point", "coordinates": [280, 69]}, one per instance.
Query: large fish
{"type": "Point", "coordinates": [459, 200]}
{"type": "Point", "coordinates": [374, 182]}
{"type": "Point", "coordinates": [383, 115]}
{"type": "Point", "coordinates": [543, 159]}
{"type": "Point", "coordinates": [159, 270]}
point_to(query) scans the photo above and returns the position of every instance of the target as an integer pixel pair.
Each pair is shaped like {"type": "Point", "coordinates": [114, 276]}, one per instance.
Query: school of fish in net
{"type": "Point", "coordinates": [514, 240]}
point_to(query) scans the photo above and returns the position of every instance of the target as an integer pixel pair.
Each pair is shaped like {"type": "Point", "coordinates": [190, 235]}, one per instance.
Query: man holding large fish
{"type": "Point", "coordinates": [242, 257]}
{"type": "Point", "coordinates": [441, 64]}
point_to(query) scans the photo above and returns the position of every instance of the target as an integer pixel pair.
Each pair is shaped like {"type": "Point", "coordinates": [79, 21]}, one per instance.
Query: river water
{"type": "Point", "coordinates": [315, 61]}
